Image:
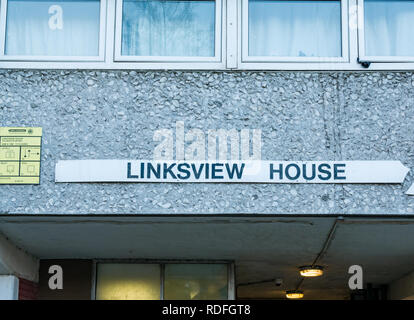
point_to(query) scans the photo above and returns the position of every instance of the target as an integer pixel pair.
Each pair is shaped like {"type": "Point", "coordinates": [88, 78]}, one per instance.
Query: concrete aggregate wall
{"type": "Point", "coordinates": [303, 116]}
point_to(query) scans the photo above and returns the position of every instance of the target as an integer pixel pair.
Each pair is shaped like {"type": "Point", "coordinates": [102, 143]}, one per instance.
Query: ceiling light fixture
{"type": "Point", "coordinates": [294, 294]}
{"type": "Point", "coordinates": [311, 271]}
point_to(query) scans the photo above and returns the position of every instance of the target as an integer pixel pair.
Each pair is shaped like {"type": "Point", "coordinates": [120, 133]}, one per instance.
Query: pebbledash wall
{"type": "Point", "coordinates": [302, 115]}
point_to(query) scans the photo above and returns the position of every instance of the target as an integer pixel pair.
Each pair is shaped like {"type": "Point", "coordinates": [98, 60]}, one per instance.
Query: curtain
{"type": "Point", "coordinates": [53, 28]}
{"type": "Point", "coordinates": [295, 28]}
{"type": "Point", "coordinates": [168, 28]}
{"type": "Point", "coordinates": [389, 28]}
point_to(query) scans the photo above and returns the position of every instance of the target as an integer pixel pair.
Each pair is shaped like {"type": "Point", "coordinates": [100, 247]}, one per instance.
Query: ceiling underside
{"type": "Point", "coordinates": [261, 247]}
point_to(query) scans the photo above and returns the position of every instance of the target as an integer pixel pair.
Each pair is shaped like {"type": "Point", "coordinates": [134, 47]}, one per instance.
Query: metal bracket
{"type": "Point", "coordinates": [365, 64]}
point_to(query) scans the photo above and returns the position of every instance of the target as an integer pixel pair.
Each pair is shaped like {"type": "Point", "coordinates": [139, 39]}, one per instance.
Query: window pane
{"type": "Point", "coordinates": [195, 281]}
{"type": "Point", "coordinates": [128, 282]}
{"type": "Point", "coordinates": [295, 28]}
{"type": "Point", "coordinates": [168, 28]}
{"type": "Point", "coordinates": [389, 28]}
{"type": "Point", "coordinates": [52, 28]}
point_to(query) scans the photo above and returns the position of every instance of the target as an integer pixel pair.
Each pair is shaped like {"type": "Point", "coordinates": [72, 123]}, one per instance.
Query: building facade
{"type": "Point", "coordinates": [314, 80]}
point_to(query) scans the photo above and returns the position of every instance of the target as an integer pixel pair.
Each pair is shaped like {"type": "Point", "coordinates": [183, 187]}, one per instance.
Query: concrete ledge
{"type": "Point", "coordinates": [14, 261]}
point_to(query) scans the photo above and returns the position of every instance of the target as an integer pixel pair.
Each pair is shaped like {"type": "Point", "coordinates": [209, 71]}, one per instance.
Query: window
{"type": "Point", "coordinates": [196, 282]}
{"type": "Point", "coordinates": [294, 30]}
{"type": "Point", "coordinates": [53, 29]}
{"type": "Point", "coordinates": [386, 30]}
{"type": "Point", "coordinates": [168, 30]}
{"type": "Point", "coordinates": [207, 34]}
{"type": "Point", "coordinates": [190, 281]}
{"type": "Point", "coordinates": [128, 281]}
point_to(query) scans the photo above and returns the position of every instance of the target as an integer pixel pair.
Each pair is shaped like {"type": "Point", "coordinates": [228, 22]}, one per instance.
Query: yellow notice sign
{"type": "Point", "coordinates": [20, 155]}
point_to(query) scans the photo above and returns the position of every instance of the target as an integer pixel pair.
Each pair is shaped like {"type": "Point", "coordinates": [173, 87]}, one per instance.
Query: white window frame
{"type": "Point", "coordinates": [101, 49]}
{"type": "Point", "coordinates": [361, 42]}
{"type": "Point", "coordinates": [218, 45]}
{"type": "Point", "coordinates": [230, 43]}
{"type": "Point", "coordinates": [245, 58]}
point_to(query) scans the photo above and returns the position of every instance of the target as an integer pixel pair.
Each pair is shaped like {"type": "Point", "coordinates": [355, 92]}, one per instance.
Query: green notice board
{"type": "Point", "coordinates": [20, 155]}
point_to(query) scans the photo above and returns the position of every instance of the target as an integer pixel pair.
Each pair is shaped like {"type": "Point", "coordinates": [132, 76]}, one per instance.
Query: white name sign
{"type": "Point", "coordinates": [221, 171]}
